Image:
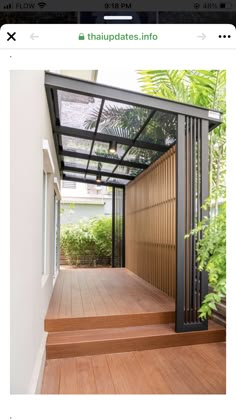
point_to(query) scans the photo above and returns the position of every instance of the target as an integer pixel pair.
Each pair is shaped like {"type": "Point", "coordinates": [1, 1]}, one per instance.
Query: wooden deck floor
{"type": "Point", "coordinates": [198, 369]}
{"type": "Point", "coordinates": [104, 292]}
{"type": "Point", "coordinates": [112, 332]}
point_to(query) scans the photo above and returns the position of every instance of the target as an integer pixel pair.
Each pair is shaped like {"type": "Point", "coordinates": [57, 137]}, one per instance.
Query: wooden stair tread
{"type": "Point", "coordinates": [117, 340]}
{"type": "Point", "coordinates": [109, 333]}
{"type": "Point", "coordinates": [116, 321]}
{"type": "Point", "coordinates": [69, 337]}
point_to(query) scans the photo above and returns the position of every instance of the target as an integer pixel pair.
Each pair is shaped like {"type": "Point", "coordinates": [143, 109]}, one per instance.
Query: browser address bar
{"type": "Point", "coordinates": [117, 36]}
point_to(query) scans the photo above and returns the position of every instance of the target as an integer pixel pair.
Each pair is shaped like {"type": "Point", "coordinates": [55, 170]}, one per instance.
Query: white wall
{"type": "Point", "coordinates": [81, 74]}
{"type": "Point", "coordinates": [30, 124]}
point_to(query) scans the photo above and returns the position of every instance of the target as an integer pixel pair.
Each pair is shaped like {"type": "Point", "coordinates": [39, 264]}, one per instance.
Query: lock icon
{"type": "Point", "coordinates": [81, 37]}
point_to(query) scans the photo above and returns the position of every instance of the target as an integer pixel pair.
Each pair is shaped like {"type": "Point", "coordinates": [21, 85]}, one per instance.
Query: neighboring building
{"type": "Point", "coordinates": [81, 201]}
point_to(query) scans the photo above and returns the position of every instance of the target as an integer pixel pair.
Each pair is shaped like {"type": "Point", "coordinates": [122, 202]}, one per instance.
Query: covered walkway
{"type": "Point", "coordinates": [153, 153]}
{"type": "Point", "coordinates": [109, 331]}
{"type": "Point", "coordinates": [103, 292]}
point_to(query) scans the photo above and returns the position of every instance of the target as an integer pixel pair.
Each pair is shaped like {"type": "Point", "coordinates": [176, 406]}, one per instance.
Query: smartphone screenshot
{"type": "Point", "coordinates": [117, 12]}
{"type": "Point", "coordinates": [118, 145]}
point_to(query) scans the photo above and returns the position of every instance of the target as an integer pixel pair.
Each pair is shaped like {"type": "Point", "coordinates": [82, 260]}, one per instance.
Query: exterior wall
{"type": "Point", "coordinates": [81, 74]}
{"type": "Point", "coordinates": [80, 211]}
{"type": "Point", "coordinates": [150, 224]}
{"type": "Point", "coordinates": [87, 202]}
{"type": "Point", "coordinates": [30, 292]}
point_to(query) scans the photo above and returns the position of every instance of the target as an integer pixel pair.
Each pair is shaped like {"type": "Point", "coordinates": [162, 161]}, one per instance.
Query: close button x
{"type": "Point", "coordinates": [11, 36]}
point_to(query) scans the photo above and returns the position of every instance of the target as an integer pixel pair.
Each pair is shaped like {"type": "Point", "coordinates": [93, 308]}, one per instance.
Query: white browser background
{"type": "Point", "coordinates": [54, 47]}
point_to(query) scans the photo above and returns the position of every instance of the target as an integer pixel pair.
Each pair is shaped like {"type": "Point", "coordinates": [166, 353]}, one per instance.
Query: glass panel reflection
{"type": "Point", "coordinates": [75, 144]}
{"type": "Point", "coordinates": [74, 175]}
{"type": "Point", "coordinates": [161, 129]}
{"type": "Point", "coordinates": [76, 110]}
{"type": "Point", "coordinates": [74, 162]}
{"type": "Point", "coordinates": [122, 120]}
{"type": "Point", "coordinates": [127, 170]}
{"type": "Point", "coordinates": [102, 149]}
{"type": "Point", "coordinates": [145, 156]}
{"type": "Point", "coordinates": [101, 166]}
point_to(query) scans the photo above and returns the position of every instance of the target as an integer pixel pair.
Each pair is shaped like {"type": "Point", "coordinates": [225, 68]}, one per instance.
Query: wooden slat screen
{"type": "Point", "coordinates": [151, 224]}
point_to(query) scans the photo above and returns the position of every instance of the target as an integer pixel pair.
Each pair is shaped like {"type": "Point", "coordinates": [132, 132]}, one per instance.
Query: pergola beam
{"type": "Point", "coordinates": [96, 172]}
{"type": "Point", "coordinates": [110, 93]}
{"type": "Point", "coordinates": [89, 181]}
{"type": "Point", "coordinates": [108, 138]}
{"type": "Point", "coordinates": [101, 159]}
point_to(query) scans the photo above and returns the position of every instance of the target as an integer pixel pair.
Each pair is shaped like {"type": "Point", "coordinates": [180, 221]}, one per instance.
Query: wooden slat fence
{"type": "Point", "coordinates": [151, 224]}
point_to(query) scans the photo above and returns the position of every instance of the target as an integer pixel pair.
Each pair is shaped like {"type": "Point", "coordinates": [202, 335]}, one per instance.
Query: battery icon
{"type": "Point", "coordinates": [226, 5]}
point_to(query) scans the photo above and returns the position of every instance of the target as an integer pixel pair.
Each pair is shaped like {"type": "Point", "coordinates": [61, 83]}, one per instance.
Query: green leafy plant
{"type": "Point", "coordinates": [101, 229]}
{"type": "Point", "coordinates": [91, 239]}
{"type": "Point", "coordinates": [77, 240]}
{"type": "Point", "coordinates": [204, 88]}
{"type": "Point", "coordinates": [211, 256]}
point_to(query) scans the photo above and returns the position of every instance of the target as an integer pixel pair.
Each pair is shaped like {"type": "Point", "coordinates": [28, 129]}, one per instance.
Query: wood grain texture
{"type": "Point", "coordinates": [199, 369]}
{"type": "Point", "coordinates": [111, 321]}
{"type": "Point", "coordinates": [151, 224]}
{"type": "Point", "coordinates": [104, 298]}
{"type": "Point", "coordinates": [128, 339]}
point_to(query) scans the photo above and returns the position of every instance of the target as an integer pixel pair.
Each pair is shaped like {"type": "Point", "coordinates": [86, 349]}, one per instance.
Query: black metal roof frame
{"type": "Point", "coordinates": [56, 82]}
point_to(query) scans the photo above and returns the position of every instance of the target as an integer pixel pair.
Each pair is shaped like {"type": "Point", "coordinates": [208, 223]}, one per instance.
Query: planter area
{"type": "Point", "coordinates": [87, 243]}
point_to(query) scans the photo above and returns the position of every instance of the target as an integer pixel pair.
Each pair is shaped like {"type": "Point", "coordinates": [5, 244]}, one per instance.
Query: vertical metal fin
{"type": "Point", "coordinates": [192, 190]}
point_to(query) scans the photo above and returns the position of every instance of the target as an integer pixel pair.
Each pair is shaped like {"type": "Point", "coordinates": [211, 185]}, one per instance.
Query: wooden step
{"type": "Point", "coordinates": [117, 340]}
{"type": "Point", "coordinates": [111, 321]}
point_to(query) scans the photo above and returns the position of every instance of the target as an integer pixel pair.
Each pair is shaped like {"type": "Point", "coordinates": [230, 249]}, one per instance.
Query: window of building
{"type": "Point", "coordinates": [56, 242]}
{"type": "Point", "coordinates": [69, 184]}
{"type": "Point", "coordinates": [44, 225]}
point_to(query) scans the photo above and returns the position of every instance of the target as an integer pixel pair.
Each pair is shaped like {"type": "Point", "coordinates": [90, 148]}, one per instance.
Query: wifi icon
{"type": "Point", "coordinates": [41, 4]}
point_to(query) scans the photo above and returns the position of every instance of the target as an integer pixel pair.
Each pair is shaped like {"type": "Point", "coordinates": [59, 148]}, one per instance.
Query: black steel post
{"type": "Point", "coordinates": [123, 233]}
{"type": "Point", "coordinates": [204, 195]}
{"type": "Point", "coordinates": [191, 286]}
{"type": "Point", "coordinates": [180, 223]}
{"type": "Point", "coordinates": [113, 226]}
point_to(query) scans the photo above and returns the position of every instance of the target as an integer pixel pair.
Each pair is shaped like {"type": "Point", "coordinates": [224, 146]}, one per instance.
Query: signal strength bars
{"type": "Point", "coordinates": [8, 6]}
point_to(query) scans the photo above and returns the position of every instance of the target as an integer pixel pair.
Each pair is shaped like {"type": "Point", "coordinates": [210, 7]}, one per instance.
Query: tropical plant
{"type": "Point", "coordinates": [126, 121]}
{"type": "Point", "coordinates": [101, 228]}
{"type": "Point", "coordinates": [211, 256]}
{"type": "Point", "coordinates": [88, 238]}
{"type": "Point", "coordinates": [204, 88]}
{"type": "Point", "coordinates": [77, 240]}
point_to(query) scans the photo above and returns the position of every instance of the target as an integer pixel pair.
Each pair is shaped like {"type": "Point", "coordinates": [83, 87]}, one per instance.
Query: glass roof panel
{"type": "Point", "coordinates": [102, 149]}
{"type": "Point", "coordinates": [93, 178]}
{"type": "Point", "coordinates": [75, 144]}
{"type": "Point", "coordinates": [74, 174]}
{"type": "Point", "coordinates": [78, 111]}
{"type": "Point", "coordinates": [74, 162]}
{"type": "Point", "coordinates": [118, 181]}
{"type": "Point", "coordinates": [161, 129]}
{"type": "Point", "coordinates": [127, 170]}
{"type": "Point", "coordinates": [122, 120]}
{"type": "Point", "coordinates": [101, 166]}
{"type": "Point", "coordinates": [145, 156]}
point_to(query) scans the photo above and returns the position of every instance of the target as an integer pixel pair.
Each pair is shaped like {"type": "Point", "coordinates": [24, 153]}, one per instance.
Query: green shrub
{"type": "Point", "coordinates": [77, 240]}
{"type": "Point", "coordinates": [91, 239]}
{"type": "Point", "coordinates": [211, 256]}
{"type": "Point", "coordinates": [101, 229]}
